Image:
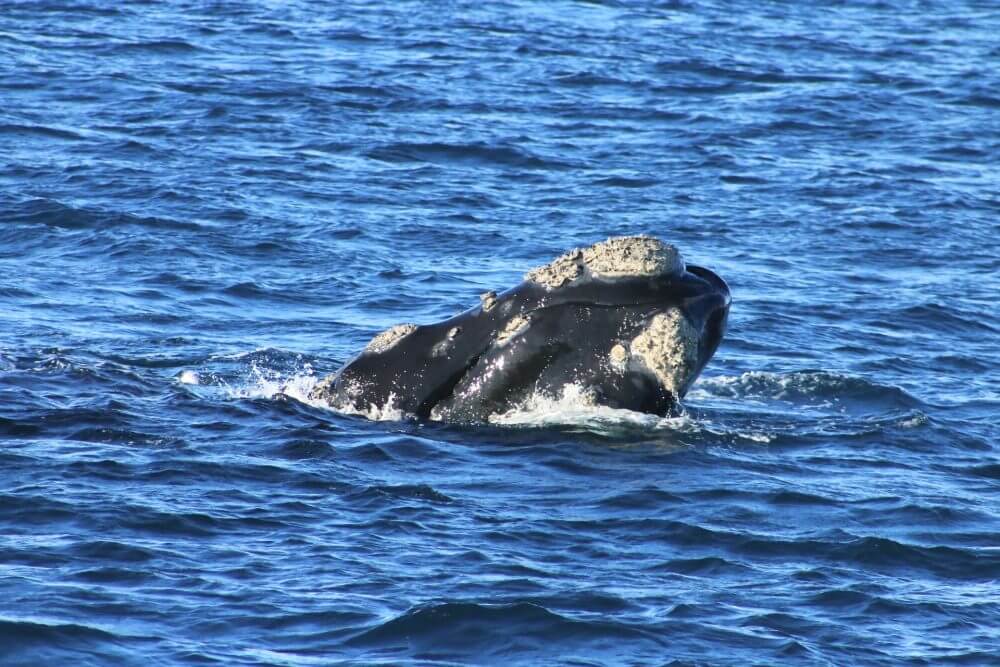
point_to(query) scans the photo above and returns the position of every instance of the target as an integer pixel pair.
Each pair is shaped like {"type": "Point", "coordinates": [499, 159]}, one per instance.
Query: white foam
{"type": "Point", "coordinates": [577, 406]}
{"type": "Point", "coordinates": [914, 421]}
{"type": "Point", "coordinates": [767, 386]}
{"type": "Point", "coordinates": [236, 356]}
{"type": "Point", "coordinates": [379, 413]}
{"type": "Point", "coordinates": [189, 377]}
{"type": "Point", "coordinates": [262, 382]}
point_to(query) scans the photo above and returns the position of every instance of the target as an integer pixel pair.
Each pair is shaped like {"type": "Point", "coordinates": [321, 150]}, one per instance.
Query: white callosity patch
{"type": "Point", "coordinates": [442, 348]}
{"type": "Point", "coordinates": [559, 271]}
{"type": "Point", "coordinates": [390, 337]}
{"type": "Point", "coordinates": [668, 347]}
{"type": "Point", "coordinates": [514, 326]}
{"type": "Point", "coordinates": [618, 357]}
{"type": "Point", "coordinates": [618, 257]}
{"type": "Point", "coordinates": [633, 256]}
{"type": "Point", "coordinates": [487, 300]}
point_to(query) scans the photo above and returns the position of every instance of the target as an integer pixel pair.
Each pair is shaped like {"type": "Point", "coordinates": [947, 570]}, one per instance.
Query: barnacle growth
{"type": "Point", "coordinates": [668, 347]}
{"type": "Point", "coordinates": [617, 257]}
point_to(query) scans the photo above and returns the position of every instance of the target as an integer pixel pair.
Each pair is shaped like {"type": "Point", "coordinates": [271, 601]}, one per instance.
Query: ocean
{"type": "Point", "coordinates": [207, 206]}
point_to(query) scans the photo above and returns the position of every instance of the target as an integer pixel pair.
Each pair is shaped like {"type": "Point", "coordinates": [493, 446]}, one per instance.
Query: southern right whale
{"type": "Point", "coordinates": [625, 319]}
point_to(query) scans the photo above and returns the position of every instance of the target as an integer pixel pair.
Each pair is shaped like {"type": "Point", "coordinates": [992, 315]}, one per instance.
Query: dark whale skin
{"type": "Point", "coordinates": [465, 368]}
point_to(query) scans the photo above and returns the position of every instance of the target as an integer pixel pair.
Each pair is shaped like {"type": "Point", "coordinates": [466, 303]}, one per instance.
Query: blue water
{"type": "Point", "coordinates": [206, 206]}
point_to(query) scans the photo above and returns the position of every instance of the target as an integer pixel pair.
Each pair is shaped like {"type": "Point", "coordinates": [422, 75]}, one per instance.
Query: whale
{"type": "Point", "coordinates": [626, 321]}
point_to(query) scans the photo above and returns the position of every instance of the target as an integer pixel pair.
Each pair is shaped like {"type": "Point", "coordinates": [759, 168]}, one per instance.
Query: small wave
{"type": "Point", "coordinates": [882, 553]}
{"type": "Point", "coordinates": [745, 72]}
{"type": "Point", "coordinates": [979, 100]}
{"type": "Point", "coordinates": [379, 494]}
{"type": "Point", "coordinates": [272, 374]}
{"type": "Point", "coordinates": [703, 567]}
{"type": "Point", "coordinates": [626, 182]}
{"type": "Point", "coordinates": [161, 46]}
{"type": "Point", "coordinates": [840, 598]}
{"type": "Point", "coordinates": [477, 153]}
{"type": "Point", "coordinates": [800, 387]}
{"type": "Point", "coordinates": [497, 629]}
{"type": "Point", "coordinates": [590, 79]}
{"type": "Point", "coordinates": [109, 550]}
{"type": "Point", "coordinates": [39, 130]}
{"type": "Point", "coordinates": [254, 291]}
{"type": "Point", "coordinates": [742, 179]}
{"type": "Point", "coordinates": [23, 633]}
{"type": "Point", "coordinates": [53, 213]}
{"type": "Point", "coordinates": [936, 317]}
{"type": "Point", "coordinates": [989, 471]}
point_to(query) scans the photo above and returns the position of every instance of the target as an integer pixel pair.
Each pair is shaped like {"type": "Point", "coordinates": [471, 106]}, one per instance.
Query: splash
{"type": "Point", "coordinates": [577, 405]}
{"type": "Point", "coordinates": [762, 385]}
{"type": "Point", "coordinates": [816, 390]}
{"type": "Point", "coordinates": [390, 411]}
{"type": "Point", "coordinates": [268, 374]}
{"type": "Point", "coordinates": [189, 377]}
{"type": "Point", "coordinates": [262, 381]}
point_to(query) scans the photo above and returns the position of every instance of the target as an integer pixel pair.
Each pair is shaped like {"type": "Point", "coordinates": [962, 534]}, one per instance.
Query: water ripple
{"type": "Point", "coordinates": [208, 207]}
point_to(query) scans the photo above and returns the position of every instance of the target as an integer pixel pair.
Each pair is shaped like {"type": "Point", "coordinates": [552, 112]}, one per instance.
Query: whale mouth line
{"type": "Point", "coordinates": [712, 278]}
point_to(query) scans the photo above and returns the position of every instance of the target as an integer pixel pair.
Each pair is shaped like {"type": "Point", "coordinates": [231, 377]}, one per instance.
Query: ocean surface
{"type": "Point", "coordinates": [205, 207]}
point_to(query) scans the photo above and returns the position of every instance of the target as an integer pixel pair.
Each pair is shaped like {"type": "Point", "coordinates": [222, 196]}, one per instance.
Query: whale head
{"type": "Point", "coordinates": [626, 320]}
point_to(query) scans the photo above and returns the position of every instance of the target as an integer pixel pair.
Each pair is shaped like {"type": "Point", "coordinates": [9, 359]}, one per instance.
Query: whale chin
{"type": "Point", "coordinates": [625, 319]}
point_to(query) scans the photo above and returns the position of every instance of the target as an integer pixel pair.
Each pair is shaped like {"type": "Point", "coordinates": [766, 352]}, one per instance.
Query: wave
{"type": "Point", "coordinates": [46, 131]}
{"type": "Point", "coordinates": [269, 374]}
{"type": "Point", "coordinates": [475, 153]}
{"type": "Point", "coordinates": [35, 641]}
{"type": "Point", "coordinates": [881, 554]}
{"type": "Point", "coordinates": [808, 387]}
{"type": "Point", "coordinates": [159, 46]}
{"type": "Point", "coordinates": [52, 213]}
{"type": "Point", "coordinates": [626, 182]}
{"type": "Point", "coordinates": [451, 628]}
{"type": "Point", "coordinates": [391, 495]}
{"type": "Point", "coordinates": [272, 374]}
{"type": "Point", "coordinates": [15, 630]}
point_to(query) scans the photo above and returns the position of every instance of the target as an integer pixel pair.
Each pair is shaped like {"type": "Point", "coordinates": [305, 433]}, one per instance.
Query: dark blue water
{"type": "Point", "coordinates": [205, 206]}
